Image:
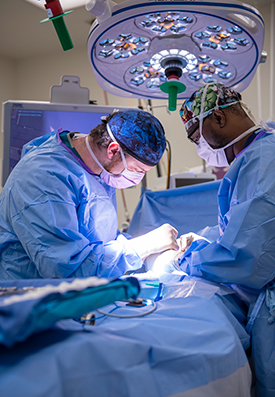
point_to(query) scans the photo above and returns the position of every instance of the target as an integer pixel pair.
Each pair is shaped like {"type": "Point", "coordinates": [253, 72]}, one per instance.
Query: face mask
{"type": "Point", "coordinates": [122, 181]}
{"type": "Point", "coordinates": [217, 157]}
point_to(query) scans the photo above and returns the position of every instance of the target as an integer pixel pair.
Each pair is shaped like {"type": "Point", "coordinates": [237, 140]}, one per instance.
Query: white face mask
{"type": "Point", "coordinates": [217, 157]}
{"type": "Point", "coordinates": [122, 181]}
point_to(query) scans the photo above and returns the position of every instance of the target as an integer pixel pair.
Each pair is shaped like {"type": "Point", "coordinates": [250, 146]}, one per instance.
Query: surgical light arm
{"type": "Point", "coordinates": [102, 9]}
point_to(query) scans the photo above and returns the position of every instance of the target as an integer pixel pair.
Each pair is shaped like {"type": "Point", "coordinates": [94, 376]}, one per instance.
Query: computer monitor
{"type": "Point", "coordinates": [23, 121]}
{"type": "Point", "coordinates": [190, 178]}
{"type": "Point", "coordinates": [184, 179]}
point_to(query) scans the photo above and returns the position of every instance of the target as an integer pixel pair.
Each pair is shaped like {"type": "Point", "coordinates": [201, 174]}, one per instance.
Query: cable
{"type": "Point", "coordinates": [133, 315]}
{"type": "Point", "coordinates": [125, 206]}
{"type": "Point", "coordinates": [150, 109]}
{"type": "Point", "coordinates": [168, 149]}
{"type": "Point", "coordinates": [89, 317]}
{"type": "Point", "coordinates": [140, 104]}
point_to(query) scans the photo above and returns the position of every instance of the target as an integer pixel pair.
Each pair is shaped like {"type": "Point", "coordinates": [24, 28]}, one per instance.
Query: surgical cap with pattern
{"type": "Point", "coordinates": [140, 134]}
{"type": "Point", "coordinates": [217, 96]}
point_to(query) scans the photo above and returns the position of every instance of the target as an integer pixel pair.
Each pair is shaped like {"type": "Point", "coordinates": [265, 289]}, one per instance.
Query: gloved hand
{"type": "Point", "coordinates": [166, 262]}
{"type": "Point", "coordinates": [158, 240]}
{"type": "Point", "coordinates": [187, 239]}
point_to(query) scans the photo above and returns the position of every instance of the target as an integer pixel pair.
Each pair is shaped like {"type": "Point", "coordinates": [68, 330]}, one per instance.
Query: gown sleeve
{"type": "Point", "coordinates": [244, 253]}
{"type": "Point", "coordinates": [49, 233]}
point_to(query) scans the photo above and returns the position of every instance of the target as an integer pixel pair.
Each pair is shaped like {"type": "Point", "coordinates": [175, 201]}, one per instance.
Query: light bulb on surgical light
{"type": "Point", "coordinates": [149, 49]}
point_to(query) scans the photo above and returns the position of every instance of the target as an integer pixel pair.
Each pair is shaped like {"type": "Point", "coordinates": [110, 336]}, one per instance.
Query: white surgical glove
{"type": "Point", "coordinates": [187, 239]}
{"type": "Point", "coordinates": [166, 262]}
{"type": "Point", "coordinates": [158, 240]}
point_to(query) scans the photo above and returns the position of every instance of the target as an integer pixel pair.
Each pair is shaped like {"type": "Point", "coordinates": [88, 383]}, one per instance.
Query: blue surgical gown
{"type": "Point", "coordinates": [58, 219]}
{"type": "Point", "coordinates": [244, 252]}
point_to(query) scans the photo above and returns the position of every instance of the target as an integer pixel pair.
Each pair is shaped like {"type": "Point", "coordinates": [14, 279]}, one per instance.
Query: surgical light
{"type": "Point", "coordinates": [136, 46]}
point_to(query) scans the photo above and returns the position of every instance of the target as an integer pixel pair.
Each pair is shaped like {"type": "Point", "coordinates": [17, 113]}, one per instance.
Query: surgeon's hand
{"type": "Point", "coordinates": [162, 239]}
{"type": "Point", "coordinates": [187, 239]}
{"type": "Point", "coordinates": [158, 240]}
{"type": "Point", "coordinates": [166, 262]}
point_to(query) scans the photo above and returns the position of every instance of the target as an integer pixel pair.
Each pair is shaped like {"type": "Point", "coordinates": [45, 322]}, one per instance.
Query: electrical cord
{"type": "Point", "coordinates": [148, 301]}
{"type": "Point", "coordinates": [168, 149]}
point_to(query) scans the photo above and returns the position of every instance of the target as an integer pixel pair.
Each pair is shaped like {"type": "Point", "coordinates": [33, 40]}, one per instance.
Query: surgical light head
{"type": "Point", "coordinates": [140, 134]}
{"type": "Point", "coordinates": [136, 46]}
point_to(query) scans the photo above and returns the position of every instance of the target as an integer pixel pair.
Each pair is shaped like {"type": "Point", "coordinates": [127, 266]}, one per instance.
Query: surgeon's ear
{"type": "Point", "coordinates": [113, 149]}
{"type": "Point", "coordinates": [219, 117]}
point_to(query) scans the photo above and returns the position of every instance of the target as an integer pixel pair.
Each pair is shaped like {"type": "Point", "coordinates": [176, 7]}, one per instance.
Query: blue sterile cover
{"type": "Point", "coordinates": [25, 309]}
{"type": "Point", "coordinates": [189, 208]}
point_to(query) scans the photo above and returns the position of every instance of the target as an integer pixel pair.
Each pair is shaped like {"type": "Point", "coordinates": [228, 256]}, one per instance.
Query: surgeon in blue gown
{"type": "Point", "coordinates": [223, 129]}
{"type": "Point", "coordinates": [240, 251]}
{"type": "Point", "coordinates": [58, 207]}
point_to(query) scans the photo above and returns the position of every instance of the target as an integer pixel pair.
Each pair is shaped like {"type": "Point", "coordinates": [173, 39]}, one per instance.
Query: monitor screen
{"type": "Point", "coordinates": [25, 120]}
{"type": "Point", "coordinates": [190, 178]}
{"type": "Point", "coordinates": [180, 182]}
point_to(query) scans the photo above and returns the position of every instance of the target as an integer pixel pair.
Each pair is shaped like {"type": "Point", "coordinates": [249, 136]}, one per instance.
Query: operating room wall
{"type": "Point", "coordinates": [31, 78]}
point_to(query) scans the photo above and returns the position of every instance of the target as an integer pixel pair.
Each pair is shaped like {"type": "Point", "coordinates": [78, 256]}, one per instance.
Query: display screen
{"type": "Point", "coordinates": [24, 121]}
{"type": "Point", "coordinates": [180, 182]}
{"type": "Point", "coordinates": [29, 124]}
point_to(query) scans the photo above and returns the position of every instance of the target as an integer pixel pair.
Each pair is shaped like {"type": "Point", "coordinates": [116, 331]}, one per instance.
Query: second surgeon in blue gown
{"type": "Point", "coordinates": [244, 251]}
{"type": "Point", "coordinates": [58, 207]}
{"type": "Point", "coordinates": [240, 250]}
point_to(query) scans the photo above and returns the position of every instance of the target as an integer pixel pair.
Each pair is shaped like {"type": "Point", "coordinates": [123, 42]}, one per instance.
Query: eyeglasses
{"type": "Point", "coordinates": [194, 135]}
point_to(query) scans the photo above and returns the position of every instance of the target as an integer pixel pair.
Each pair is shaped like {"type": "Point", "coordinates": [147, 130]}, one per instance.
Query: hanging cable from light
{"type": "Point", "coordinates": [168, 150]}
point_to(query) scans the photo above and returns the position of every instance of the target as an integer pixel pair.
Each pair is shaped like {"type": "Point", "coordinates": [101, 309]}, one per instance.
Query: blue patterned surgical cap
{"type": "Point", "coordinates": [140, 134]}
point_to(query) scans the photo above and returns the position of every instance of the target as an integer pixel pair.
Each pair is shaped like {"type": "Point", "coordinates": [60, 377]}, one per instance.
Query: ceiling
{"type": "Point", "coordinates": [23, 36]}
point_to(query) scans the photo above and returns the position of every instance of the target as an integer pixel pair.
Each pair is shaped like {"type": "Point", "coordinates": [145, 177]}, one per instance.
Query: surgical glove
{"type": "Point", "coordinates": [158, 240]}
{"type": "Point", "coordinates": [187, 239]}
{"type": "Point", "coordinates": [166, 262]}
